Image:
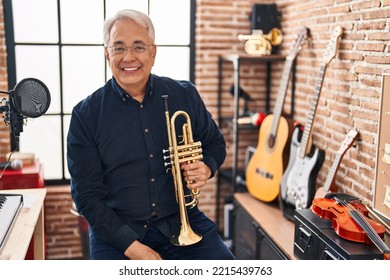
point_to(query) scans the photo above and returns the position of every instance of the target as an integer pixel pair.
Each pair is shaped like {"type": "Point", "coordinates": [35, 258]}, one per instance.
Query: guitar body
{"type": "Point", "coordinates": [266, 166]}
{"type": "Point", "coordinates": [265, 169]}
{"type": "Point", "coordinates": [294, 146]}
{"type": "Point", "coordinates": [299, 181]}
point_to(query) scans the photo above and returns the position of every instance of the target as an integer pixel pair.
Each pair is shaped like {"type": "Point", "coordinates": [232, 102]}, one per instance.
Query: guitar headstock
{"type": "Point", "coordinates": [348, 141]}
{"type": "Point", "coordinates": [298, 42]}
{"type": "Point", "coordinates": [332, 48]}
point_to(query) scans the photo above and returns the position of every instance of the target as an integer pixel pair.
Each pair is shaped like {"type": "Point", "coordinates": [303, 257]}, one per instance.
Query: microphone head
{"type": "Point", "coordinates": [31, 98]}
{"type": "Point", "coordinates": [16, 164]}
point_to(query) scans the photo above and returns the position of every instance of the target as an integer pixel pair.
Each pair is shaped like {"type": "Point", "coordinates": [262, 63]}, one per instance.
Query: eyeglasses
{"type": "Point", "coordinates": [121, 50]}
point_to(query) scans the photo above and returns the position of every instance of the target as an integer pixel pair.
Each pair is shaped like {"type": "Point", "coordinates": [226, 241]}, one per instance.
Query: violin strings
{"type": "Point", "coordinates": [362, 222]}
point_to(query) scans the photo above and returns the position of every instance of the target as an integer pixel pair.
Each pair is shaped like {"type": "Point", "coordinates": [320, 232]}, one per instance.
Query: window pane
{"type": "Point", "coordinates": [172, 62]}
{"type": "Point", "coordinates": [66, 129]}
{"type": "Point", "coordinates": [32, 17]}
{"type": "Point", "coordinates": [112, 6]}
{"type": "Point", "coordinates": [42, 136]}
{"type": "Point", "coordinates": [83, 73]}
{"type": "Point", "coordinates": [172, 27]}
{"type": "Point", "coordinates": [42, 63]}
{"type": "Point", "coordinates": [82, 24]}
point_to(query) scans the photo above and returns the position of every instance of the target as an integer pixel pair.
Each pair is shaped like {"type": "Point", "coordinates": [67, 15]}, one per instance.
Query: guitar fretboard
{"type": "Point", "coordinates": [313, 108]}
{"type": "Point", "coordinates": [282, 94]}
{"type": "Point", "coordinates": [332, 172]}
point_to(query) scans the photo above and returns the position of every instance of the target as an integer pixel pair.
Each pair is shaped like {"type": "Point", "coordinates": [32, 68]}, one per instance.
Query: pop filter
{"type": "Point", "coordinates": [31, 98]}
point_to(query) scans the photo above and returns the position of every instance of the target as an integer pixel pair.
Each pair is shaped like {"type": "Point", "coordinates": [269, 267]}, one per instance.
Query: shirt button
{"type": "Point", "coordinates": [152, 180]}
{"type": "Point", "coordinates": [153, 204]}
{"type": "Point", "coordinates": [141, 106]}
{"type": "Point", "coordinates": [151, 155]}
{"type": "Point", "coordinates": [146, 130]}
{"type": "Point", "coordinates": [124, 99]}
{"type": "Point", "coordinates": [145, 226]}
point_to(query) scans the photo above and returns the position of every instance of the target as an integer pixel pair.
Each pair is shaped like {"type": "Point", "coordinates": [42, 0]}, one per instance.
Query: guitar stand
{"type": "Point", "coordinates": [288, 210]}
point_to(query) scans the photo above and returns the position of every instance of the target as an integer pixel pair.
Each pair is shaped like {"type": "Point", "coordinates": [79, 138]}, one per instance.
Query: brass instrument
{"type": "Point", "coordinates": [261, 44]}
{"type": "Point", "coordinates": [188, 151]}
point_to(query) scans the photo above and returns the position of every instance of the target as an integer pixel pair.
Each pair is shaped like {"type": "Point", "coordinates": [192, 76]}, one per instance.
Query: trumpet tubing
{"type": "Point", "coordinates": [188, 151]}
{"type": "Point", "coordinates": [261, 44]}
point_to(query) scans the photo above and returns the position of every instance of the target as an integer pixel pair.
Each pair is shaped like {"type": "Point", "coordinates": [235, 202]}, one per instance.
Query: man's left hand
{"type": "Point", "coordinates": [196, 174]}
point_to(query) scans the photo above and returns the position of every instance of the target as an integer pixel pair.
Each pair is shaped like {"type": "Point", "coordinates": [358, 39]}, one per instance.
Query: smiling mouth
{"type": "Point", "coordinates": [131, 68]}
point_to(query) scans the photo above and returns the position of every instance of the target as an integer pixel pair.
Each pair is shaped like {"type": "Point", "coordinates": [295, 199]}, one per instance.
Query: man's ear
{"type": "Point", "coordinates": [154, 53]}
{"type": "Point", "coordinates": [106, 54]}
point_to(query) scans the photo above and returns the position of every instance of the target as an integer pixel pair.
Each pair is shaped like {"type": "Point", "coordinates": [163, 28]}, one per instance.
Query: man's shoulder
{"type": "Point", "coordinates": [93, 99]}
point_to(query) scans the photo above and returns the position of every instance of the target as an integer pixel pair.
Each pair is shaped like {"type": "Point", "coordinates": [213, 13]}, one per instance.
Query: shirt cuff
{"type": "Point", "coordinates": [124, 237]}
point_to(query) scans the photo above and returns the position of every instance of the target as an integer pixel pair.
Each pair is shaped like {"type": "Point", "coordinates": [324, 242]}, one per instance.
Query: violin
{"type": "Point", "coordinates": [350, 220]}
{"type": "Point", "coordinates": [342, 221]}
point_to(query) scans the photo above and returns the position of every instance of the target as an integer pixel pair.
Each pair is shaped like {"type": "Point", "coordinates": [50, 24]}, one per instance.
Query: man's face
{"type": "Point", "coordinates": [130, 54]}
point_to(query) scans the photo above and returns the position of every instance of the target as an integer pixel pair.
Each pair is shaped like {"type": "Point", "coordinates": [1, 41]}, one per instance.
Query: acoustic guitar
{"type": "Point", "coordinates": [266, 166]}
{"type": "Point", "coordinates": [299, 180]}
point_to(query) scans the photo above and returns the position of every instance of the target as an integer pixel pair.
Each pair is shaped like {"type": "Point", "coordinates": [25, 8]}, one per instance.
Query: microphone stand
{"type": "Point", "coordinates": [16, 126]}
{"type": "Point", "coordinates": [14, 119]}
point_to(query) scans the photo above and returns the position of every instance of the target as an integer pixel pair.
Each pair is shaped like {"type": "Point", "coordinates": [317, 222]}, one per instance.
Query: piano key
{"type": "Point", "coordinates": [9, 208]}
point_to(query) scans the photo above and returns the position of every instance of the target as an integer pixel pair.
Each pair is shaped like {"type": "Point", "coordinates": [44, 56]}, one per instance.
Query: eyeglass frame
{"type": "Point", "coordinates": [131, 48]}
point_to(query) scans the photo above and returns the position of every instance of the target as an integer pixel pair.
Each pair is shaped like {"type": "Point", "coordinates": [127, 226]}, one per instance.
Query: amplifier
{"type": "Point", "coordinates": [315, 239]}
{"type": "Point", "coordinates": [265, 17]}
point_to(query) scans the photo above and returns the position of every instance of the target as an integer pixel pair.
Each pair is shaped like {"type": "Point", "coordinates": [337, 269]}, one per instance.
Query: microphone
{"type": "Point", "coordinates": [15, 164]}
{"type": "Point", "coordinates": [29, 99]}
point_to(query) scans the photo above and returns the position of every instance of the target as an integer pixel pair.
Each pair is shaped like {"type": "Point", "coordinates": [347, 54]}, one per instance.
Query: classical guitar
{"type": "Point", "coordinates": [329, 183]}
{"type": "Point", "coordinates": [266, 166]}
{"type": "Point", "coordinates": [299, 180]}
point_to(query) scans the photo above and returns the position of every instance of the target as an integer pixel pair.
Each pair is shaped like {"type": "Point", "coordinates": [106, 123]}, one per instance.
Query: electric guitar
{"type": "Point", "coordinates": [299, 180]}
{"type": "Point", "coordinates": [266, 166]}
{"type": "Point", "coordinates": [329, 183]}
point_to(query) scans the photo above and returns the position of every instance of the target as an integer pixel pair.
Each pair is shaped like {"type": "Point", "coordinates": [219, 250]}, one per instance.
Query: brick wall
{"type": "Point", "coordinates": [63, 235]}
{"type": "Point", "coordinates": [4, 131]}
{"type": "Point", "coordinates": [349, 98]}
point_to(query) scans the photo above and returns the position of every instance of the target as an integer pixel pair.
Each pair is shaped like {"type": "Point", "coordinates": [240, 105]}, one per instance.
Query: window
{"type": "Point", "coordinates": [61, 43]}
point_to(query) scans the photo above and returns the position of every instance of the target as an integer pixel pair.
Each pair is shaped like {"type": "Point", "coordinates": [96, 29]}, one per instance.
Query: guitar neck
{"type": "Point", "coordinates": [281, 94]}
{"type": "Point", "coordinates": [313, 108]}
{"type": "Point", "coordinates": [332, 172]}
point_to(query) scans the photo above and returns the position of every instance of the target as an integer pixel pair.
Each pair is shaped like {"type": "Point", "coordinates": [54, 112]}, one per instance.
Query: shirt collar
{"type": "Point", "coordinates": [123, 95]}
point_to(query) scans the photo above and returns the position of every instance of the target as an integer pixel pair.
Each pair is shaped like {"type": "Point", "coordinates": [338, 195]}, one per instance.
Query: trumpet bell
{"type": "Point", "coordinates": [185, 237]}
{"type": "Point", "coordinates": [275, 36]}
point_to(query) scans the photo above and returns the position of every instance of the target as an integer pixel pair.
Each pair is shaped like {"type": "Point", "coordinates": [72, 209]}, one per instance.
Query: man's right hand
{"type": "Point", "coordinates": [139, 251]}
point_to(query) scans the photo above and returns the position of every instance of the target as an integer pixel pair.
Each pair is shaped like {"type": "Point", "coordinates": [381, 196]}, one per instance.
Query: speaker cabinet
{"type": "Point", "coordinates": [264, 17]}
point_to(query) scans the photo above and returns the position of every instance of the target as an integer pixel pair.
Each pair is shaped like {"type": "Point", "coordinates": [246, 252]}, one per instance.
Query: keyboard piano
{"type": "Point", "coordinates": [10, 204]}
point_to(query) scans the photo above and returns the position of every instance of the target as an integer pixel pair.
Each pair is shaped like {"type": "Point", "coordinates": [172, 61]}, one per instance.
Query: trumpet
{"type": "Point", "coordinates": [261, 44]}
{"type": "Point", "coordinates": [187, 151]}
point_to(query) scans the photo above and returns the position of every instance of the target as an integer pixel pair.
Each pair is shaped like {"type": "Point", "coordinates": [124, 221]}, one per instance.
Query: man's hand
{"type": "Point", "coordinates": [196, 174]}
{"type": "Point", "coordinates": [139, 251]}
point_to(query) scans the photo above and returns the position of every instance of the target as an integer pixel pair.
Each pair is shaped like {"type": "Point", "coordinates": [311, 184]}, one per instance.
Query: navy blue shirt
{"type": "Point", "coordinates": [119, 182]}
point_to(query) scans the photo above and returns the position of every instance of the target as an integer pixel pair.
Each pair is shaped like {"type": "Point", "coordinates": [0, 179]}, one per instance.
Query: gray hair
{"type": "Point", "coordinates": [140, 18]}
